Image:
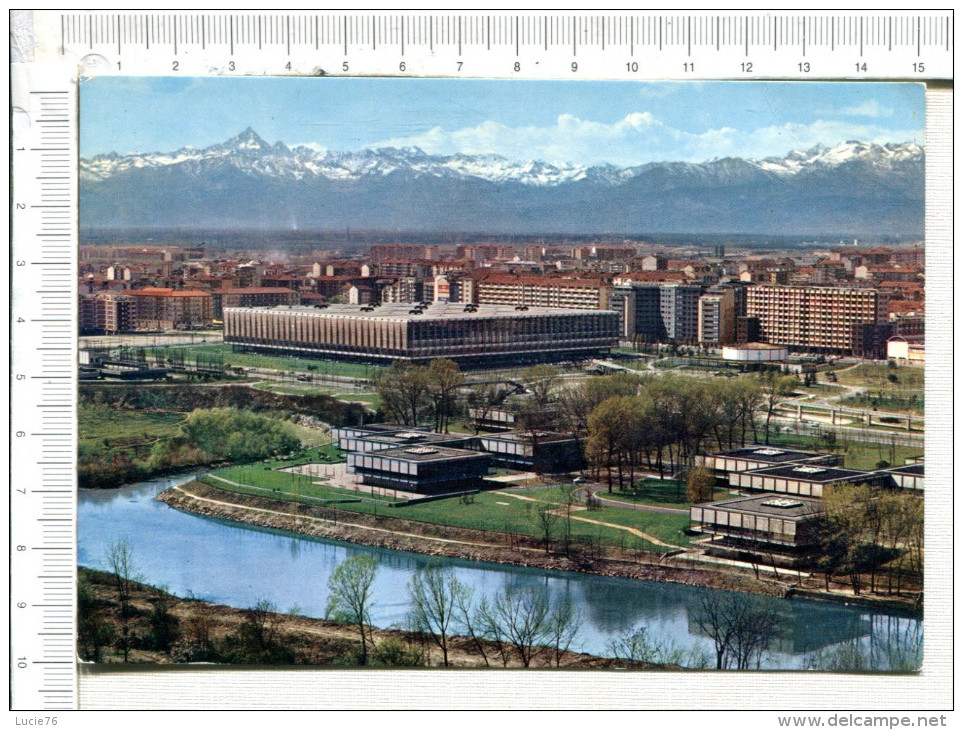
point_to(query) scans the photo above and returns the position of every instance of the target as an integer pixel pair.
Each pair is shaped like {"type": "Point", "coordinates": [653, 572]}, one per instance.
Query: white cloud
{"type": "Point", "coordinates": [638, 138]}
{"type": "Point", "coordinates": [870, 108]}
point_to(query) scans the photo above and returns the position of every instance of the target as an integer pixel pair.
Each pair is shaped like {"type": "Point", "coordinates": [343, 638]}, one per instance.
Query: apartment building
{"type": "Point", "coordinates": [107, 313]}
{"type": "Point", "coordinates": [812, 318]}
{"type": "Point", "coordinates": [262, 296]}
{"type": "Point", "coordinates": [162, 309]}
{"type": "Point", "coordinates": [717, 318]}
{"type": "Point", "coordinates": [535, 291]}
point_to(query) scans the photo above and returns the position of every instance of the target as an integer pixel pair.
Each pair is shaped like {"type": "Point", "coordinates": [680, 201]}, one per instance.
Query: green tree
{"type": "Point", "coordinates": [403, 389]}
{"type": "Point", "coordinates": [349, 595]}
{"type": "Point", "coordinates": [700, 484]}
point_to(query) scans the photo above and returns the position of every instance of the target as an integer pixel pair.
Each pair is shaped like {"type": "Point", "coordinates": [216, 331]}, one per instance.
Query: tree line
{"type": "Point", "coordinates": [518, 626]}
{"type": "Point", "coordinates": [868, 528]}
{"type": "Point", "coordinates": [661, 423]}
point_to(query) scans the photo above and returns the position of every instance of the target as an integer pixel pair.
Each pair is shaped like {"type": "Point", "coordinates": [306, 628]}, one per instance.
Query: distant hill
{"type": "Point", "coordinates": [854, 188]}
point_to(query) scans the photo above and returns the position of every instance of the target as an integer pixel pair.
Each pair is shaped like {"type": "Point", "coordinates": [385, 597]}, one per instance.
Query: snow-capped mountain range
{"type": "Point", "coordinates": [406, 188]}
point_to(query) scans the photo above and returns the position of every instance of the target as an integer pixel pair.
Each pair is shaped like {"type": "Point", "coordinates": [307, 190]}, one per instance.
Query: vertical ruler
{"type": "Point", "coordinates": [42, 397]}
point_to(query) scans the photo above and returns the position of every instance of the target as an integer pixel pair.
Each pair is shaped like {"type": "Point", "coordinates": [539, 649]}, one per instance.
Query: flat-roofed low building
{"type": "Point", "coordinates": [750, 528]}
{"type": "Point", "coordinates": [542, 452]}
{"type": "Point", "coordinates": [423, 332]}
{"type": "Point", "coordinates": [804, 479]}
{"type": "Point", "coordinates": [751, 352]}
{"type": "Point", "coordinates": [422, 469]}
{"type": "Point", "coordinates": [908, 476]}
{"type": "Point", "coordinates": [759, 457]}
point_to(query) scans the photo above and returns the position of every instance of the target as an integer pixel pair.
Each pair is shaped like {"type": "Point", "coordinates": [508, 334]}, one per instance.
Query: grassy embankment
{"type": "Point", "coordinates": [160, 628]}
{"type": "Point", "coordinates": [125, 430]}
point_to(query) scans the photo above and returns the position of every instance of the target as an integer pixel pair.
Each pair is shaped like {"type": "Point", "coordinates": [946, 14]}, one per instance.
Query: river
{"type": "Point", "coordinates": [237, 565]}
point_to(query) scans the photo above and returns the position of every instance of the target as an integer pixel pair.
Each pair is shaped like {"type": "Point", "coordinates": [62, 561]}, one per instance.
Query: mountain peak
{"type": "Point", "coordinates": [246, 140]}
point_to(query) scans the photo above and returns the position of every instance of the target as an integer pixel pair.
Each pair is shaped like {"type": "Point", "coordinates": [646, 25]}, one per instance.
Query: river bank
{"type": "Point", "coordinates": [201, 631]}
{"type": "Point", "coordinates": [450, 542]}
{"type": "Point", "coordinates": [461, 543]}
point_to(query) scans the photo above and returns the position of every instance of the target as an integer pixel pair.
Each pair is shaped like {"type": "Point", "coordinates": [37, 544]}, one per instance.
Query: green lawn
{"type": "Point", "coordinates": [282, 485]}
{"type": "Point", "coordinates": [886, 401]}
{"type": "Point", "coordinates": [877, 376]}
{"type": "Point", "coordinates": [661, 493]}
{"type": "Point", "coordinates": [484, 511]}
{"type": "Point", "coordinates": [224, 354]}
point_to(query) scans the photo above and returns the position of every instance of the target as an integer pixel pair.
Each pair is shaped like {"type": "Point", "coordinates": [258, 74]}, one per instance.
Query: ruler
{"type": "Point", "coordinates": [644, 45]}
{"type": "Point", "coordinates": [42, 401]}
{"type": "Point", "coordinates": [50, 50]}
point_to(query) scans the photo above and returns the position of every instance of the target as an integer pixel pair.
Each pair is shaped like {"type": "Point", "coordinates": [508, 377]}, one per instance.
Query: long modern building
{"type": "Point", "coordinates": [422, 332]}
{"type": "Point", "coordinates": [812, 318]}
{"type": "Point", "coordinates": [759, 527]}
{"type": "Point", "coordinates": [422, 469]}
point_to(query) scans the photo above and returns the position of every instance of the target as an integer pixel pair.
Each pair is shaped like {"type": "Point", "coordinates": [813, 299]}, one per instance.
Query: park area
{"type": "Point", "coordinates": [546, 512]}
{"type": "Point", "coordinates": [884, 387]}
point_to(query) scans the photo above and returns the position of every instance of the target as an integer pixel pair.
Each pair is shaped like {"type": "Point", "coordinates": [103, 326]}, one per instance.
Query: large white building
{"type": "Point", "coordinates": [423, 332]}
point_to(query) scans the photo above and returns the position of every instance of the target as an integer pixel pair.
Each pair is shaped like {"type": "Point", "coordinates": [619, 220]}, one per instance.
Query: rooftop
{"type": "Point", "coordinates": [786, 507]}
{"type": "Point", "coordinates": [413, 438]}
{"type": "Point", "coordinates": [768, 454]}
{"type": "Point", "coordinates": [423, 453]}
{"type": "Point", "coordinates": [813, 473]}
{"type": "Point", "coordinates": [915, 470]}
{"type": "Point", "coordinates": [439, 310]}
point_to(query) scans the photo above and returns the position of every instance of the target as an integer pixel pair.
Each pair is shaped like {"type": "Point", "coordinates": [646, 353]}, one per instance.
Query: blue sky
{"type": "Point", "coordinates": [589, 122]}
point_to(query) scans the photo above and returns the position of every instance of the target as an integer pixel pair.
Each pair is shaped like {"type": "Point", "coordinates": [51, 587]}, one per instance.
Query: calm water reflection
{"type": "Point", "coordinates": [238, 565]}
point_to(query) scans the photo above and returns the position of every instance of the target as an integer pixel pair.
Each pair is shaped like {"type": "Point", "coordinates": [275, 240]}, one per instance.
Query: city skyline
{"type": "Point", "coordinates": [620, 123]}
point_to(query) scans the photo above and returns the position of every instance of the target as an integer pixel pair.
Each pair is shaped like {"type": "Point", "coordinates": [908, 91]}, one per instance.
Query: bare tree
{"type": "Point", "coordinates": [444, 378]}
{"type": "Point", "coordinates": [541, 381]}
{"type": "Point", "coordinates": [564, 623]}
{"type": "Point", "coordinates": [776, 388]}
{"type": "Point", "coordinates": [523, 618]}
{"type": "Point", "coordinates": [471, 623]}
{"type": "Point", "coordinates": [546, 519]}
{"type": "Point", "coordinates": [120, 562]}
{"type": "Point", "coordinates": [435, 596]}
{"type": "Point", "coordinates": [741, 627]}
{"type": "Point", "coordinates": [350, 599]}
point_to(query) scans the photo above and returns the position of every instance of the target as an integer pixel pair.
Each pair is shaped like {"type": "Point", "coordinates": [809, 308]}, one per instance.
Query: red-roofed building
{"type": "Point", "coordinates": [541, 291]}
{"type": "Point", "coordinates": [162, 308]}
{"type": "Point", "coordinates": [252, 296]}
